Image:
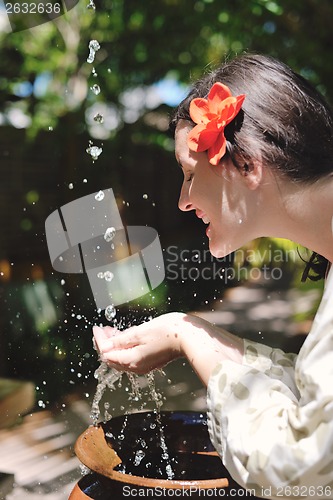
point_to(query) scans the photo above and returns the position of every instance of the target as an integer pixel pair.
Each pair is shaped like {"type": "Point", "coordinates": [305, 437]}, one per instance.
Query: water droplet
{"type": "Point", "coordinates": [169, 472]}
{"type": "Point", "coordinates": [99, 118]}
{"type": "Point", "coordinates": [106, 378]}
{"type": "Point", "coordinates": [96, 89]}
{"type": "Point", "coordinates": [109, 234]}
{"type": "Point", "coordinates": [110, 312]}
{"type": "Point", "coordinates": [99, 196]}
{"type": "Point", "coordinates": [70, 185]}
{"type": "Point", "coordinates": [84, 469]}
{"type": "Point", "coordinates": [94, 46]}
{"type": "Point", "coordinates": [108, 276]}
{"type": "Point", "coordinates": [139, 455]}
{"type": "Point", "coordinates": [91, 5]}
{"type": "Point", "coordinates": [50, 129]}
{"type": "Point", "coordinates": [145, 196]}
{"type": "Point", "coordinates": [94, 152]}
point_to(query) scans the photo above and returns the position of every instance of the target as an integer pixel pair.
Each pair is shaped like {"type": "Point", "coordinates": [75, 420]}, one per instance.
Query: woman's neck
{"type": "Point", "coordinates": [303, 214]}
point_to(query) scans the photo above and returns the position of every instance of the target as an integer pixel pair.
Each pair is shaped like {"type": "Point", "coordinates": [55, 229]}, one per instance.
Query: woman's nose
{"type": "Point", "coordinates": [184, 202]}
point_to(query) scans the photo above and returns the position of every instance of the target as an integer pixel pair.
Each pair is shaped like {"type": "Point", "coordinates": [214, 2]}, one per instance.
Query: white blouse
{"type": "Point", "coordinates": [271, 418]}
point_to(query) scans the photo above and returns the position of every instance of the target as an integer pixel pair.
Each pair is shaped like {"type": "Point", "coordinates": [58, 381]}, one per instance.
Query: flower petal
{"type": "Point", "coordinates": [235, 108]}
{"type": "Point", "coordinates": [229, 101]}
{"type": "Point", "coordinates": [217, 93]}
{"type": "Point", "coordinates": [201, 137]}
{"type": "Point", "coordinates": [198, 108]}
{"type": "Point", "coordinates": [217, 150]}
{"type": "Point", "coordinates": [211, 116]}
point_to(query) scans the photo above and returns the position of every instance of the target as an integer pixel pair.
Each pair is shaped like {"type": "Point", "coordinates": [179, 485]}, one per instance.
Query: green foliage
{"type": "Point", "coordinates": [143, 41]}
{"type": "Point", "coordinates": [45, 76]}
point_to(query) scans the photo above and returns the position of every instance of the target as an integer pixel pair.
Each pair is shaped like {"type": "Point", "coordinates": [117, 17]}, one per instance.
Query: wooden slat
{"type": "Point", "coordinates": [16, 398]}
{"type": "Point", "coordinates": [39, 452]}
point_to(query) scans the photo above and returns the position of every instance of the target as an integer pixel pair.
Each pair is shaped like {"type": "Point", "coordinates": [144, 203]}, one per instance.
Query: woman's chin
{"type": "Point", "coordinates": [219, 250]}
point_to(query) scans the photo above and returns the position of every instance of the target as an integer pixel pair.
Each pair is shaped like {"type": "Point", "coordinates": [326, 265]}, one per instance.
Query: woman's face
{"type": "Point", "coordinates": [218, 194]}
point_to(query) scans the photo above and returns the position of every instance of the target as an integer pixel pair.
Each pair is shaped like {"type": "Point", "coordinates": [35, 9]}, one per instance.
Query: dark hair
{"type": "Point", "coordinates": [284, 120]}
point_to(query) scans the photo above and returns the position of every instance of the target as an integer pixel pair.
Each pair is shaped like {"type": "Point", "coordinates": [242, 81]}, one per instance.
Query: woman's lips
{"type": "Point", "coordinates": [205, 220]}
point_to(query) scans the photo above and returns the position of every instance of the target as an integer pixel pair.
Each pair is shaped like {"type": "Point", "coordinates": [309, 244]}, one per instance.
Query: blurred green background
{"type": "Point", "coordinates": [150, 52]}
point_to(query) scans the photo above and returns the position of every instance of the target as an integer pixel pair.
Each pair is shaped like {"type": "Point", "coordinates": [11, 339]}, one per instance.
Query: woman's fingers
{"type": "Point", "coordinates": [109, 330]}
{"type": "Point", "coordinates": [140, 348]}
{"type": "Point", "coordinates": [99, 336]}
{"type": "Point", "coordinates": [107, 340]}
{"type": "Point", "coordinates": [117, 351]}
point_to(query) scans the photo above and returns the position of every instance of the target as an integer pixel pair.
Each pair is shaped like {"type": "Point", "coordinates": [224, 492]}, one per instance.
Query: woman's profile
{"type": "Point", "coordinates": [255, 142]}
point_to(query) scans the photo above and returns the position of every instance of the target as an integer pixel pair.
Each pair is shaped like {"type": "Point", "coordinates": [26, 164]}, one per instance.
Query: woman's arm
{"type": "Point", "coordinates": [157, 342]}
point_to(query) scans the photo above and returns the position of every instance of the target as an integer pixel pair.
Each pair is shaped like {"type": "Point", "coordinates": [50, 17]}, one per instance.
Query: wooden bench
{"type": "Point", "coordinates": [16, 399]}
{"type": "Point", "coordinates": [39, 454]}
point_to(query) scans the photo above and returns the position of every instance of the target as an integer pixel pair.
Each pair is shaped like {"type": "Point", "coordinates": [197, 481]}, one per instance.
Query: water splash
{"type": "Point", "coordinates": [107, 415]}
{"type": "Point", "coordinates": [139, 455]}
{"type": "Point", "coordinates": [91, 5]}
{"type": "Point", "coordinates": [110, 312]}
{"type": "Point", "coordinates": [106, 377]}
{"type": "Point", "coordinates": [99, 118]}
{"type": "Point", "coordinates": [110, 234]}
{"type": "Point", "coordinates": [158, 399]}
{"type": "Point", "coordinates": [99, 196]}
{"type": "Point", "coordinates": [94, 46]}
{"type": "Point", "coordinates": [155, 396]}
{"type": "Point", "coordinates": [94, 152]}
{"type": "Point", "coordinates": [107, 276]}
{"type": "Point", "coordinates": [96, 89]}
{"type": "Point", "coordinates": [84, 470]}
{"type": "Point", "coordinates": [136, 394]}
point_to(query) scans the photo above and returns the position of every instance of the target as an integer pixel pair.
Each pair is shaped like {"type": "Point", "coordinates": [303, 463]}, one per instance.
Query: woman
{"type": "Point", "coordinates": [255, 143]}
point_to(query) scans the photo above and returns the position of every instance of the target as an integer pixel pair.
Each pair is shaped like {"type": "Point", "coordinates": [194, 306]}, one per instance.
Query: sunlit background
{"type": "Point", "coordinates": [54, 106]}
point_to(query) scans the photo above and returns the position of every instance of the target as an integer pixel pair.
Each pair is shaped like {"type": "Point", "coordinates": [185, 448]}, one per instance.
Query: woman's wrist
{"type": "Point", "coordinates": [200, 340]}
{"type": "Point", "coordinates": [176, 322]}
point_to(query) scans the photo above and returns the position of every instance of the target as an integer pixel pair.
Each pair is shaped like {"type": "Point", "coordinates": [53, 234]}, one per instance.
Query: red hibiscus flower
{"type": "Point", "coordinates": [212, 115]}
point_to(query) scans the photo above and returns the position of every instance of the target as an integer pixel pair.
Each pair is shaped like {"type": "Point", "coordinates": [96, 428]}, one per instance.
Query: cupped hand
{"type": "Point", "coordinates": [142, 348]}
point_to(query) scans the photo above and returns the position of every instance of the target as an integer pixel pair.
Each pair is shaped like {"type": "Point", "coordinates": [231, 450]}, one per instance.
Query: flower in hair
{"type": "Point", "coordinates": [211, 116]}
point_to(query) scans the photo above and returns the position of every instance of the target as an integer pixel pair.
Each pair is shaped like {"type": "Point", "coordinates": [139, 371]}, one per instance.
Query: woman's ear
{"type": "Point", "coordinates": [252, 173]}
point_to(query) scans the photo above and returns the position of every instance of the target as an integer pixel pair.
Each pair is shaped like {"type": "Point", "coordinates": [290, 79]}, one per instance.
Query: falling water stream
{"type": "Point", "coordinates": [108, 377]}
{"type": "Point", "coordinates": [93, 150]}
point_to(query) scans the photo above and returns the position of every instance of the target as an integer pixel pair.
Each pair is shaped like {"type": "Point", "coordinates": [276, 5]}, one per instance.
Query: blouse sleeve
{"type": "Point", "coordinates": [271, 418]}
